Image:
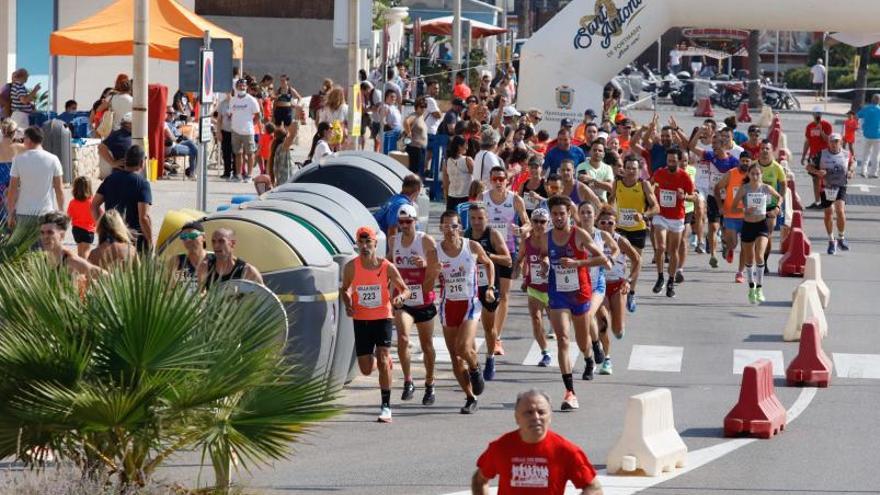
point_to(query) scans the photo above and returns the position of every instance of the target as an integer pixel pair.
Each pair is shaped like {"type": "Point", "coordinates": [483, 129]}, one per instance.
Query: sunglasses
{"type": "Point", "coordinates": [405, 221]}
{"type": "Point", "coordinates": [539, 222]}
{"type": "Point", "coordinates": [499, 179]}
{"type": "Point", "coordinates": [606, 222]}
{"type": "Point", "coordinates": [191, 236]}
{"type": "Point", "coordinates": [452, 226]}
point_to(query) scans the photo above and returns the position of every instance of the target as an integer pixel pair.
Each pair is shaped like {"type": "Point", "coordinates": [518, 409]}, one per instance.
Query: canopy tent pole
{"type": "Point", "coordinates": [140, 72]}
{"type": "Point", "coordinates": [75, 67]}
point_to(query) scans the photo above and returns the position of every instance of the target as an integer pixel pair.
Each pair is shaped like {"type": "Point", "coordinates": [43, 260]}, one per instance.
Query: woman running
{"type": "Point", "coordinates": [586, 220]}
{"type": "Point", "coordinates": [529, 262]}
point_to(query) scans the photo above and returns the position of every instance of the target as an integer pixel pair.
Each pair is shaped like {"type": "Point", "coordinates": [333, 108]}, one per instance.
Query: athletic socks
{"type": "Point", "coordinates": [759, 275]}
{"type": "Point", "coordinates": [386, 398]}
{"type": "Point", "coordinates": [568, 381]}
{"type": "Point", "coordinates": [750, 274]}
{"type": "Point", "coordinates": [544, 352]}
{"type": "Point", "coordinates": [840, 235]}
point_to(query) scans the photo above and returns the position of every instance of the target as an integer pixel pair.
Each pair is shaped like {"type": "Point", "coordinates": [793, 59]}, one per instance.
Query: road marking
{"type": "Point", "coordinates": [745, 357]}
{"type": "Point", "coordinates": [863, 187]}
{"type": "Point", "coordinates": [628, 485]}
{"type": "Point", "coordinates": [534, 354]}
{"type": "Point", "coordinates": [857, 365]}
{"type": "Point", "coordinates": [442, 353]}
{"type": "Point", "coordinates": [656, 358]}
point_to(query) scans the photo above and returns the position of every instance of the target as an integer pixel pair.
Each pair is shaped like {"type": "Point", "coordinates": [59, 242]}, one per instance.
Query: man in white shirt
{"type": "Point", "coordinates": [36, 175]}
{"type": "Point", "coordinates": [433, 115]}
{"type": "Point", "coordinates": [818, 74]}
{"type": "Point", "coordinates": [245, 112]}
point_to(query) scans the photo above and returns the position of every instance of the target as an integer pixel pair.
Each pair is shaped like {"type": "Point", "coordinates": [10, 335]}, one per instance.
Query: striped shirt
{"type": "Point", "coordinates": [16, 93]}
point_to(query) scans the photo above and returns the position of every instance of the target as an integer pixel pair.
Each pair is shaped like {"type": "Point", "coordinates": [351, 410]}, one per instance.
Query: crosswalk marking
{"type": "Point", "coordinates": [534, 354]}
{"type": "Point", "coordinates": [857, 365]}
{"type": "Point", "coordinates": [442, 353]}
{"type": "Point", "coordinates": [745, 357]}
{"type": "Point", "coordinates": [656, 358]}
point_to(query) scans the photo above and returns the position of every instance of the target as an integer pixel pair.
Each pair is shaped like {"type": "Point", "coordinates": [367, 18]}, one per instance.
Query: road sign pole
{"type": "Point", "coordinates": [206, 105]}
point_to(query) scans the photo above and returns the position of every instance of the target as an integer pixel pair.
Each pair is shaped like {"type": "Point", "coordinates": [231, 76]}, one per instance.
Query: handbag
{"type": "Point", "coordinates": [106, 126]}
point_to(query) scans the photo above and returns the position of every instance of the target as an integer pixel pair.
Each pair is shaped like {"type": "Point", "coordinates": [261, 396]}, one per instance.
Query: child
{"type": "Point", "coordinates": [80, 212]}
{"type": "Point", "coordinates": [265, 146]}
{"type": "Point", "coordinates": [850, 126]}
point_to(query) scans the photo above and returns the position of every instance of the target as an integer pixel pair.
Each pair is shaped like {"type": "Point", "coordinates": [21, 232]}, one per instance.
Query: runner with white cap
{"type": "Point", "coordinates": [529, 262]}
{"type": "Point", "coordinates": [835, 167]}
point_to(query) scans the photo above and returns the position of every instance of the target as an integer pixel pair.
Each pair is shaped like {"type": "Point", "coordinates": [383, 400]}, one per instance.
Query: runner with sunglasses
{"type": "Point", "coordinates": [529, 263]}
{"type": "Point", "coordinates": [415, 256]}
{"type": "Point", "coordinates": [603, 240]}
{"type": "Point", "coordinates": [457, 258]}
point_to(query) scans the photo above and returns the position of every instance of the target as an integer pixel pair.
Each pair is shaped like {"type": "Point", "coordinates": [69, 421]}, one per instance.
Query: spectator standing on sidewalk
{"type": "Point", "coordinates": [870, 117]}
{"type": "Point", "coordinates": [21, 101]}
{"type": "Point", "coordinates": [35, 186]}
{"type": "Point", "coordinates": [129, 193]}
{"type": "Point", "coordinates": [817, 72]}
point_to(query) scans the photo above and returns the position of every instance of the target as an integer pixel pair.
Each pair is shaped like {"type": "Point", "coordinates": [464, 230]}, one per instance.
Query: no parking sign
{"type": "Point", "coordinates": [207, 66]}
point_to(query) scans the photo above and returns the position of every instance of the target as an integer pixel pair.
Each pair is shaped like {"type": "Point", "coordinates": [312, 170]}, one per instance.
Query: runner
{"type": "Point", "coordinates": [529, 262]}
{"type": "Point", "coordinates": [600, 175]}
{"type": "Point", "coordinates": [727, 188]}
{"type": "Point", "coordinates": [713, 164]}
{"type": "Point", "coordinates": [634, 200]}
{"type": "Point", "coordinates": [415, 256]}
{"type": "Point", "coordinates": [577, 191]}
{"type": "Point", "coordinates": [493, 243]}
{"type": "Point", "coordinates": [505, 210]}
{"type": "Point", "coordinates": [755, 197]}
{"type": "Point", "coordinates": [690, 214]}
{"type": "Point", "coordinates": [534, 190]}
{"type": "Point", "coordinates": [775, 177]}
{"type": "Point", "coordinates": [369, 304]}
{"type": "Point", "coordinates": [835, 167]}
{"type": "Point", "coordinates": [460, 304]}
{"type": "Point", "coordinates": [616, 283]}
{"type": "Point", "coordinates": [604, 241]}
{"type": "Point", "coordinates": [570, 253]}
{"type": "Point", "coordinates": [672, 186]}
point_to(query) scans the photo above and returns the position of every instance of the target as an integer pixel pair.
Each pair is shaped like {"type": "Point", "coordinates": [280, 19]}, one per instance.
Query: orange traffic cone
{"type": "Point", "coordinates": [744, 112]}
{"type": "Point", "coordinates": [704, 108]}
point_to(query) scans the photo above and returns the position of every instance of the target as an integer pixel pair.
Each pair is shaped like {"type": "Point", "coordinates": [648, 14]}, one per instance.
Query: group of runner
{"type": "Point", "coordinates": [576, 243]}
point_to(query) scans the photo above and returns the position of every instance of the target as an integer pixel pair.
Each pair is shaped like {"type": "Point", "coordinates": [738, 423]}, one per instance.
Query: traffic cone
{"type": "Point", "coordinates": [797, 222]}
{"type": "Point", "coordinates": [704, 108]}
{"type": "Point", "coordinates": [794, 261]}
{"type": "Point", "coordinates": [812, 365]}
{"type": "Point", "coordinates": [758, 412]}
{"type": "Point", "coordinates": [795, 197]}
{"type": "Point", "coordinates": [744, 113]}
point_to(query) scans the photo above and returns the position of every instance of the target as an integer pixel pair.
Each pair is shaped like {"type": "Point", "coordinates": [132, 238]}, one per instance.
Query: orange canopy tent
{"type": "Point", "coordinates": [111, 31]}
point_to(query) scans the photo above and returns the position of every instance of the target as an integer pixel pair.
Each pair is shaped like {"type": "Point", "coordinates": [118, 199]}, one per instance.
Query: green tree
{"type": "Point", "coordinates": [138, 367]}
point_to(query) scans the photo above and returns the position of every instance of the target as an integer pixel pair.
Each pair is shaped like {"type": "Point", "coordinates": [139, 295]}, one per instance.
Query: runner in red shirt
{"type": "Point", "coordinates": [672, 186]}
{"type": "Point", "coordinates": [817, 133]}
{"type": "Point", "coordinates": [532, 459]}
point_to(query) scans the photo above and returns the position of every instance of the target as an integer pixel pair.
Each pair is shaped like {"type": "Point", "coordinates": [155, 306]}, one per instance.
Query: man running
{"type": "Point", "coordinates": [727, 188]}
{"type": "Point", "coordinates": [493, 243]}
{"type": "Point", "coordinates": [415, 256]}
{"type": "Point", "coordinates": [835, 166]}
{"type": "Point", "coordinates": [672, 187]}
{"type": "Point", "coordinates": [712, 166]}
{"type": "Point", "coordinates": [774, 176]}
{"type": "Point", "coordinates": [460, 305]}
{"type": "Point", "coordinates": [367, 282]}
{"type": "Point", "coordinates": [570, 253]}
{"type": "Point", "coordinates": [504, 208]}
{"type": "Point", "coordinates": [529, 263]}
{"type": "Point", "coordinates": [576, 190]}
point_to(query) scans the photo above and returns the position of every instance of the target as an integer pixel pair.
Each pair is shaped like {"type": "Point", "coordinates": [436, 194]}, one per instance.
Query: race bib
{"type": "Point", "coordinates": [704, 178]}
{"type": "Point", "coordinates": [668, 198]}
{"type": "Point", "coordinates": [482, 276]}
{"type": "Point", "coordinates": [416, 297]}
{"type": "Point", "coordinates": [501, 227]}
{"type": "Point", "coordinates": [369, 296]}
{"type": "Point", "coordinates": [756, 203]}
{"type": "Point", "coordinates": [628, 217]}
{"type": "Point", "coordinates": [566, 279]}
{"type": "Point", "coordinates": [536, 275]}
{"type": "Point", "coordinates": [831, 193]}
{"type": "Point", "coordinates": [456, 289]}
{"type": "Point", "coordinates": [530, 203]}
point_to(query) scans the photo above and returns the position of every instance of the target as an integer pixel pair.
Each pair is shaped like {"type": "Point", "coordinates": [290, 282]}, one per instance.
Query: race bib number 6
{"type": "Point", "coordinates": [566, 279]}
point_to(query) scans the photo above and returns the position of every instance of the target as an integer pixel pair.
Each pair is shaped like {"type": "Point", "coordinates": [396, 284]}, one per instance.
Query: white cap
{"type": "Point", "coordinates": [509, 111]}
{"type": "Point", "coordinates": [407, 211]}
{"type": "Point", "coordinates": [835, 137]}
{"type": "Point", "coordinates": [817, 109]}
{"type": "Point", "coordinates": [602, 135]}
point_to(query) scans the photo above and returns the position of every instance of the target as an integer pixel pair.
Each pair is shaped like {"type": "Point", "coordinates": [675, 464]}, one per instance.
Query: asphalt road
{"type": "Point", "coordinates": [829, 448]}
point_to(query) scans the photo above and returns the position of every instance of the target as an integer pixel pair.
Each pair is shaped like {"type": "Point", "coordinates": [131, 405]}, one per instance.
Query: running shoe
{"type": "Point", "coordinates": [738, 278]}
{"type": "Point", "coordinates": [551, 334]}
{"type": "Point", "coordinates": [606, 368]}
{"type": "Point", "coordinates": [759, 295]}
{"type": "Point", "coordinates": [588, 369]}
{"type": "Point", "coordinates": [499, 350]}
{"type": "Point", "coordinates": [766, 269]}
{"type": "Point", "coordinates": [864, 173]}
{"type": "Point", "coordinates": [658, 286]}
{"type": "Point", "coordinates": [670, 289]}
{"type": "Point", "coordinates": [545, 360]}
{"type": "Point", "coordinates": [728, 255]}
{"type": "Point", "coordinates": [489, 370]}
{"type": "Point", "coordinates": [874, 175]}
{"type": "Point", "coordinates": [598, 352]}
{"type": "Point", "coordinates": [842, 244]}
{"type": "Point", "coordinates": [753, 295]}
{"type": "Point", "coordinates": [700, 249]}
{"type": "Point", "coordinates": [429, 397]}
{"type": "Point", "coordinates": [713, 261]}
{"type": "Point", "coordinates": [832, 248]}
{"type": "Point", "coordinates": [477, 382]}
{"type": "Point", "coordinates": [693, 240]}
{"type": "Point", "coordinates": [470, 406]}
{"type": "Point", "coordinates": [570, 401]}
{"type": "Point", "coordinates": [679, 277]}
{"type": "Point", "coordinates": [385, 414]}
{"type": "Point", "coordinates": [408, 391]}
{"type": "Point", "coordinates": [631, 302]}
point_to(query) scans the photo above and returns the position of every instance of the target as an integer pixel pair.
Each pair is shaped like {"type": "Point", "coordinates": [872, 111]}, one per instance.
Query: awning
{"type": "Point", "coordinates": [442, 26]}
{"type": "Point", "coordinates": [857, 40]}
{"type": "Point", "coordinates": [110, 32]}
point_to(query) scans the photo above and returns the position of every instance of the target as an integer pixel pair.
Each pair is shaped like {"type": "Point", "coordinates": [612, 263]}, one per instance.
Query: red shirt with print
{"type": "Point", "coordinates": [666, 186]}
{"type": "Point", "coordinates": [533, 468]}
{"type": "Point", "coordinates": [814, 136]}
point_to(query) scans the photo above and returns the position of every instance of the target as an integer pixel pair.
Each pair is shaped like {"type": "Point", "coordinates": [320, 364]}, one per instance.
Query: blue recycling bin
{"type": "Point", "coordinates": [39, 118]}
{"type": "Point", "coordinates": [243, 198]}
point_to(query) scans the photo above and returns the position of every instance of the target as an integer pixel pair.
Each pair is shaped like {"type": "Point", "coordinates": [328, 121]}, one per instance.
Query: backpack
{"type": "Point", "coordinates": [393, 204]}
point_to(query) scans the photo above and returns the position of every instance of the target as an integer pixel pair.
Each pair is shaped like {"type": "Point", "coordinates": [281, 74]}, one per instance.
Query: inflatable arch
{"type": "Point", "coordinates": [565, 65]}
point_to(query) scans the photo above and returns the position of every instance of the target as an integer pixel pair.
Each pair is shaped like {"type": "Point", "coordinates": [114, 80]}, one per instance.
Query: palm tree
{"type": "Point", "coordinates": [120, 376]}
{"type": "Point", "coordinates": [16, 243]}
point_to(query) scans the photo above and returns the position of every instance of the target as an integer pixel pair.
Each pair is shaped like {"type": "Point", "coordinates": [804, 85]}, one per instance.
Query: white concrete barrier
{"type": "Point", "coordinates": [813, 271]}
{"type": "Point", "coordinates": [805, 304]}
{"type": "Point", "coordinates": [766, 118]}
{"type": "Point", "coordinates": [649, 440]}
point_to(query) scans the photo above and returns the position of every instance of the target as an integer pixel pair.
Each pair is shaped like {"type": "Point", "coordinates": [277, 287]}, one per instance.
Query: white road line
{"type": "Point", "coordinates": [442, 353]}
{"type": "Point", "coordinates": [857, 365]}
{"type": "Point", "coordinates": [656, 358]}
{"type": "Point", "coordinates": [628, 485]}
{"type": "Point", "coordinates": [744, 357]}
{"type": "Point", "coordinates": [534, 354]}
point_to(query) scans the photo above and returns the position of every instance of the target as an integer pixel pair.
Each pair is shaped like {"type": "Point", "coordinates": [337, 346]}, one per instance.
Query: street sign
{"type": "Point", "coordinates": [356, 110]}
{"type": "Point", "coordinates": [207, 89]}
{"type": "Point", "coordinates": [189, 66]}
{"type": "Point", "coordinates": [205, 134]}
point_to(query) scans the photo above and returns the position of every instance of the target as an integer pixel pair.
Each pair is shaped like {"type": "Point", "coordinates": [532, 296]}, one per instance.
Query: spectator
{"type": "Point", "coordinates": [316, 103]}
{"type": "Point", "coordinates": [112, 150]}
{"type": "Point", "coordinates": [224, 127]}
{"type": "Point", "coordinates": [580, 132]}
{"type": "Point", "coordinates": [335, 113]}
{"type": "Point", "coordinates": [181, 106]}
{"type": "Point", "coordinates": [222, 265]}
{"type": "Point", "coordinates": [80, 212]}
{"type": "Point", "coordinates": [486, 159]}
{"type": "Point", "coordinates": [460, 89]}
{"type": "Point", "coordinates": [114, 242]}
{"type": "Point", "coordinates": [392, 122]}
{"type": "Point", "coordinates": [127, 192]}
{"type": "Point", "coordinates": [21, 101]}
{"type": "Point", "coordinates": [96, 114]}
{"type": "Point", "coordinates": [392, 83]}
{"type": "Point", "coordinates": [281, 163]}
{"type": "Point", "coordinates": [53, 227]}
{"type": "Point", "coordinates": [284, 98]}
{"type": "Point", "coordinates": [193, 237]}
{"type": "Point", "coordinates": [8, 150]}
{"type": "Point", "coordinates": [320, 146]}
{"type": "Point", "coordinates": [451, 118]}
{"type": "Point", "coordinates": [458, 170]}
{"type": "Point", "coordinates": [176, 144]}
{"type": "Point", "coordinates": [417, 131]}
{"type": "Point", "coordinates": [562, 151]}
{"type": "Point", "coordinates": [817, 72]}
{"type": "Point", "coordinates": [386, 216]}
{"type": "Point", "coordinates": [119, 102]}
{"type": "Point", "coordinates": [870, 117]}
{"type": "Point", "coordinates": [36, 175]}
{"type": "Point", "coordinates": [244, 118]}
{"type": "Point", "coordinates": [535, 455]}
{"type": "Point", "coordinates": [370, 118]}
